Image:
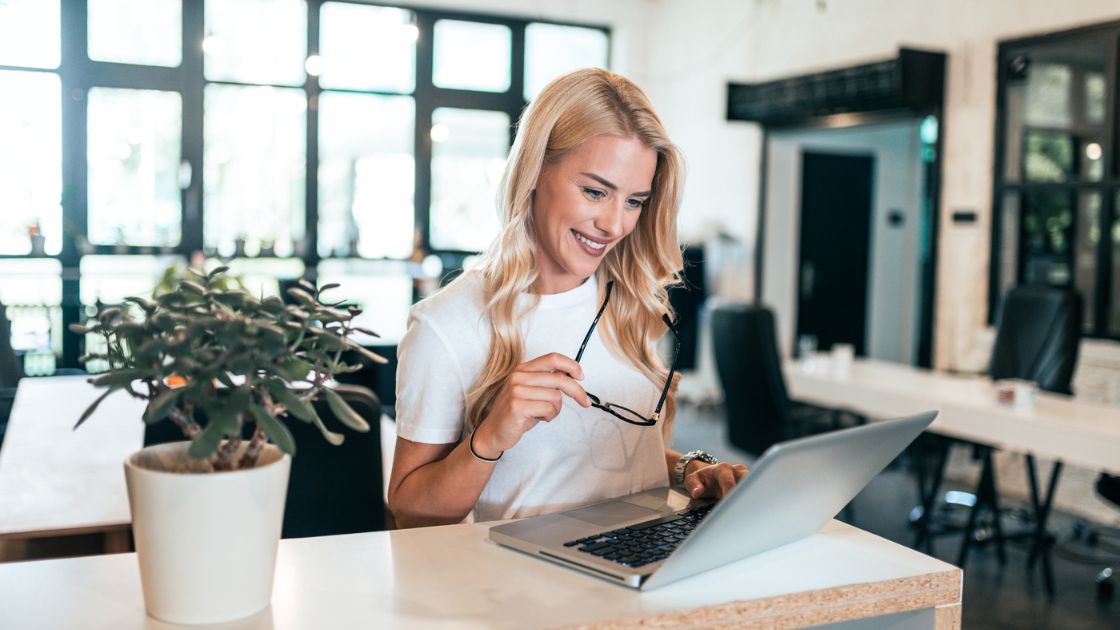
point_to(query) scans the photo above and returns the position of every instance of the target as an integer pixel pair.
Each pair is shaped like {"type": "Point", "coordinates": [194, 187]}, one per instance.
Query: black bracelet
{"type": "Point", "coordinates": [470, 445]}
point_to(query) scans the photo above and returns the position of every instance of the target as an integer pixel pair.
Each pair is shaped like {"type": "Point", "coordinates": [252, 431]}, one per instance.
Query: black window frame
{"type": "Point", "coordinates": [1108, 187]}
{"type": "Point", "coordinates": [78, 73]}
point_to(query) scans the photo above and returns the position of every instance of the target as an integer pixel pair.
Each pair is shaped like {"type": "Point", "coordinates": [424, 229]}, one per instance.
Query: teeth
{"type": "Point", "coordinates": [590, 243]}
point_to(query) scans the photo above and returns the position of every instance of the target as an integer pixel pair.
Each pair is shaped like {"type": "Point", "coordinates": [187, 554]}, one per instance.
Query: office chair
{"type": "Point", "coordinates": [759, 412]}
{"type": "Point", "coordinates": [1037, 339]}
{"type": "Point", "coordinates": [331, 489]}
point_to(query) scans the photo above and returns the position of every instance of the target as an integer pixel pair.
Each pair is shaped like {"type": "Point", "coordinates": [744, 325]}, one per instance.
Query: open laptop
{"type": "Point", "coordinates": [659, 536]}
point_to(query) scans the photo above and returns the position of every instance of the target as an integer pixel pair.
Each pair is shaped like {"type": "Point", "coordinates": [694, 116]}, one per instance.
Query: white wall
{"type": "Point", "coordinates": [782, 38]}
{"type": "Point", "coordinates": [893, 270]}
{"type": "Point", "coordinates": [684, 53]}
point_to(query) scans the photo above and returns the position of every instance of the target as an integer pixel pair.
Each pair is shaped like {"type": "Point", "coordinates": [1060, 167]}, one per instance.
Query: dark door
{"type": "Point", "coordinates": [835, 241]}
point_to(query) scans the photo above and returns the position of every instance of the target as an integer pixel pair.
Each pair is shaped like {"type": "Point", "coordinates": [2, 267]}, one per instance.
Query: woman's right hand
{"type": "Point", "coordinates": [533, 393]}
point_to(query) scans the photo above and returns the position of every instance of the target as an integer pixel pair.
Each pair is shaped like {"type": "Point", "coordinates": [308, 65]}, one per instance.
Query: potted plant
{"type": "Point", "coordinates": [229, 369]}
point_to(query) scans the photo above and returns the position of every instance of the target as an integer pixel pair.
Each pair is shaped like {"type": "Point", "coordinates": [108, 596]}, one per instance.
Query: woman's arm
{"type": "Point", "coordinates": [703, 480]}
{"type": "Point", "coordinates": [438, 484]}
{"type": "Point", "coordinates": [435, 484]}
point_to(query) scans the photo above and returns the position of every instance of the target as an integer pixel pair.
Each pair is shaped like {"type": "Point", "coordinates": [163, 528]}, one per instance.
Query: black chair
{"type": "Point", "coordinates": [331, 489]}
{"type": "Point", "coordinates": [1037, 339]}
{"type": "Point", "coordinates": [757, 405]}
{"type": "Point", "coordinates": [10, 372]}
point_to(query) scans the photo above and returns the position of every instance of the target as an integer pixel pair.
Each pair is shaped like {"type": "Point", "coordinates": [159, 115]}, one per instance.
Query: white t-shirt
{"type": "Point", "coordinates": [580, 457]}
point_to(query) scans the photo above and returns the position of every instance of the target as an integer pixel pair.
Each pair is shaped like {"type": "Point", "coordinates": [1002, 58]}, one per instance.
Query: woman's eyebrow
{"type": "Point", "coordinates": [609, 184]}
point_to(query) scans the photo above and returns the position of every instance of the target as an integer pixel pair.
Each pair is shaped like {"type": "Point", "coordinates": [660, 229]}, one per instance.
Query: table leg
{"type": "Point", "coordinates": [982, 500]}
{"type": "Point", "coordinates": [1041, 545]}
{"type": "Point", "coordinates": [993, 503]}
{"type": "Point", "coordinates": [928, 488]}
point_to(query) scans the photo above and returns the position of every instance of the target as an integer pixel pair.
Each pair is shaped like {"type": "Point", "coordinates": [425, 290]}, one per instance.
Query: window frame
{"type": "Point", "coordinates": [78, 73]}
{"type": "Point", "coordinates": [1108, 187]}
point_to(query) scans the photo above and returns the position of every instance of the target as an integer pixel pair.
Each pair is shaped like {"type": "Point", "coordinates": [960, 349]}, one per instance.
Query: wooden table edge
{"type": "Point", "coordinates": [939, 591]}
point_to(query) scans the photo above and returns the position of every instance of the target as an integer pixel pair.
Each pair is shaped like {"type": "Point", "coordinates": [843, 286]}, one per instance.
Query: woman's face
{"type": "Point", "coordinates": [585, 204]}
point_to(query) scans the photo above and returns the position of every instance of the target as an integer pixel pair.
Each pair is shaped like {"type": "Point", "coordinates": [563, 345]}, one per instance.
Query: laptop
{"type": "Point", "coordinates": [652, 538]}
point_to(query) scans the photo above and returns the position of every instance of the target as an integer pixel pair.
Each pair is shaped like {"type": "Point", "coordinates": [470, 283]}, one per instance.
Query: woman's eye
{"type": "Point", "coordinates": [594, 194]}
{"type": "Point", "coordinates": [636, 203]}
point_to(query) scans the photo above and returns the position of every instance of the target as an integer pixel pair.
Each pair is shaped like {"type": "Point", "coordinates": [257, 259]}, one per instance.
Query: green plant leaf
{"type": "Point", "coordinates": [334, 438]}
{"type": "Point", "coordinates": [162, 405]}
{"type": "Point", "coordinates": [303, 296]}
{"type": "Point", "coordinates": [364, 351]}
{"type": "Point", "coordinates": [218, 271]}
{"type": "Point", "coordinates": [296, 406]}
{"type": "Point", "coordinates": [79, 329]}
{"type": "Point", "coordinates": [193, 287]}
{"type": "Point", "coordinates": [206, 443]}
{"type": "Point", "coordinates": [93, 406]}
{"type": "Point", "coordinates": [344, 412]}
{"type": "Point", "coordinates": [274, 429]}
{"type": "Point", "coordinates": [293, 369]}
{"type": "Point", "coordinates": [120, 377]}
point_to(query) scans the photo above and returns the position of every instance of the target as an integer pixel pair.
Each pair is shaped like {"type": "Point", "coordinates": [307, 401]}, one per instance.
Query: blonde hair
{"type": "Point", "coordinates": [569, 111]}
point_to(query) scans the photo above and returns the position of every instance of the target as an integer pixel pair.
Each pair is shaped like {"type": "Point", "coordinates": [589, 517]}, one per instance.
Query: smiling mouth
{"type": "Point", "coordinates": [590, 245]}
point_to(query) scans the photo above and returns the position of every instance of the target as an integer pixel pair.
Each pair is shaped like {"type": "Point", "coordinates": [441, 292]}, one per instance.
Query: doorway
{"type": "Point", "coordinates": [847, 233]}
{"type": "Point", "coordinates": [833, 248]}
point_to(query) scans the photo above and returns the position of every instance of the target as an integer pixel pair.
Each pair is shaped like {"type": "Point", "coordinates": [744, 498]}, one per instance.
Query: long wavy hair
{"type": "Point", "coordinates": [569, 111]}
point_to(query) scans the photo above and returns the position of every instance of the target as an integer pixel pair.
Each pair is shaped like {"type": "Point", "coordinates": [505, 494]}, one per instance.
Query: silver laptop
{"type": "Point", "coordinates": [659, 536]}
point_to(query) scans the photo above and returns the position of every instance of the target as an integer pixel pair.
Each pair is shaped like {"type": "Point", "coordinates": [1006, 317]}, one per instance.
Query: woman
{"type": "Point", "coordinates": [589, 203]}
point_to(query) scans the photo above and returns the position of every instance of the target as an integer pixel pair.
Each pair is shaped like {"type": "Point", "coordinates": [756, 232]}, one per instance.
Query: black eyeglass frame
{"type": "Point", "coordinates": [611, 407]}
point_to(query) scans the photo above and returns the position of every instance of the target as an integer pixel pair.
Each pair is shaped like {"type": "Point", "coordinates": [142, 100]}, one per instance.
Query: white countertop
{"type": "Point", "coordinates": [454, 577]}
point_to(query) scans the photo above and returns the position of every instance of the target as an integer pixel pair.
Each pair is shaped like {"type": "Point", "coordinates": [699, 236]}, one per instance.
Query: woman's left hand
{"type": "Point", "coordinates": [714, 481]}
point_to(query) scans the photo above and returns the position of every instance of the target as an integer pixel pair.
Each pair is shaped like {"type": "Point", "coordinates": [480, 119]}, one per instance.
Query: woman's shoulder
{"type": "Point", "coordinates": [461, 301]}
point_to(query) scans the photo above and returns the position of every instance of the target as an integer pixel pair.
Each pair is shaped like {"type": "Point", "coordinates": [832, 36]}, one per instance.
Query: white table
{"type": "Point", "coordinates": [1058, 427]}
{"type": "Point", "coordinates": [454, 577]}
{"type": "Point", "coordinates": [57, 481]}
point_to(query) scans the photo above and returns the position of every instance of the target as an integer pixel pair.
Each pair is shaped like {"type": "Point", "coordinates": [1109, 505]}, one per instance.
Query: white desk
{"type": "Point", "coordinates": [57, 481]}
{"type": "Point", "coordinates": [1058, 427]}
{"type": "Point", "coordinates": [454, 577]}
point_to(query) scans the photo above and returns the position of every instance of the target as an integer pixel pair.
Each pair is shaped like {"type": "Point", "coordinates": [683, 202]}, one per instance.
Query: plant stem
{"type": "Point", "coordinates": [185, 422]}
{"type": "Point", "coordinates": [249, 458]}
{"type": "Point", "coordinates": [223, 459]}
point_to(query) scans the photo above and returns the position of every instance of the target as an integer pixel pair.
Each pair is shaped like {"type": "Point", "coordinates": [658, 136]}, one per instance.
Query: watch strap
{"type": "Point", "coordinates": [683, 462]}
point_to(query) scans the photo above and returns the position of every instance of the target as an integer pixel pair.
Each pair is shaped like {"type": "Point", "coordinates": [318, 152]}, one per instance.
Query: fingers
{"type": "Point", "coordinates": [553, 362]}
{"type": "Point", "coordinates": [714, 482]}
{"type": "Point", "coordinates": [553, 381]}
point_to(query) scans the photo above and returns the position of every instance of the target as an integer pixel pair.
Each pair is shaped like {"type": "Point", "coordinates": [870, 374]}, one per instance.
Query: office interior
{"type": "Point", "coordinates": [877, 175]}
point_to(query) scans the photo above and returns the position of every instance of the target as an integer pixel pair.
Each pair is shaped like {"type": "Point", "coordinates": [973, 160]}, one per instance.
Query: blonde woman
{"type": "Point", "coordinates": [531, 384]}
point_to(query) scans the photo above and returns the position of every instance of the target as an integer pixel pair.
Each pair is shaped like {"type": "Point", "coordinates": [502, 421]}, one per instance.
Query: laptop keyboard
{"type": "Point", "coordinates": [643, 543]}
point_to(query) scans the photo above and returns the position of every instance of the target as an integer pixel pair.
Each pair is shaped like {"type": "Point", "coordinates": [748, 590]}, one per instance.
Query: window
{"type": "Point", "coordinates": [1055, 197]}
{"type": "Point", "coordinates": [332, 138]}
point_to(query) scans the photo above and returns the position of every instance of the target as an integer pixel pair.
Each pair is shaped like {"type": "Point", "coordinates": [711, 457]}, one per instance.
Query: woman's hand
{"type": "Point", "coordinates": [533, 393]}
{"type": "Point", "coordinates": [713, 481]}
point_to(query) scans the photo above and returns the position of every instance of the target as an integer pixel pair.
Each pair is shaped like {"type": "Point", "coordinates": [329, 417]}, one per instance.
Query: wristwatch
{"type": "Point", "coordinates": [682, 463]}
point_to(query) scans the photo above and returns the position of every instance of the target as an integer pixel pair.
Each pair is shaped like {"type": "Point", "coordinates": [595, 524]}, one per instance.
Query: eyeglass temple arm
{"type": "Point", "coordinates": [587, 337]}
{"type": "Point", "coordinates": [672, 365]}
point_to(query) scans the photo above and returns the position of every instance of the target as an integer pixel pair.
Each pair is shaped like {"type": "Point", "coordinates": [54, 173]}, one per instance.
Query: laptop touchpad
{"type": "Point", "coordinates": [611, 513]}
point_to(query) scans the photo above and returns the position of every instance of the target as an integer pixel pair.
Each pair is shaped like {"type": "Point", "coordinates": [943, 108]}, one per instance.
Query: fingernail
{"type": "Point", "coordinates": [696, 493]}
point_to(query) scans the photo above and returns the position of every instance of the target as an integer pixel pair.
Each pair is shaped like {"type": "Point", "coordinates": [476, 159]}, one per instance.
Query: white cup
{"type": "Point", "coordinates": [842, 355]}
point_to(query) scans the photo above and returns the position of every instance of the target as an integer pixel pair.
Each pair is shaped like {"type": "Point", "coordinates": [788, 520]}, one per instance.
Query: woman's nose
{"type": "Point", "coordinates": [611, 220]}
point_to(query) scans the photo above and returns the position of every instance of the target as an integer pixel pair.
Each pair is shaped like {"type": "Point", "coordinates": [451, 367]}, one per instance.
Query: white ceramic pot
{"type": "Point", "coordinates": [206, 542]}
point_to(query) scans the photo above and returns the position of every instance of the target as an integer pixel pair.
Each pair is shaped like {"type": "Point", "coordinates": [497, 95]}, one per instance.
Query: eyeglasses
{"type": "Point", "coordinates": [625, 413]}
